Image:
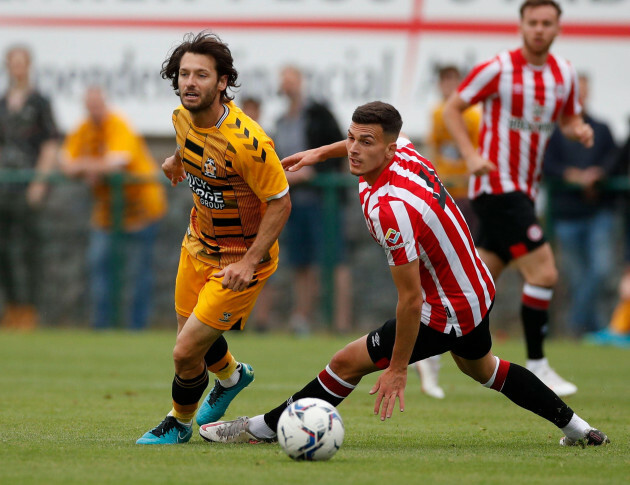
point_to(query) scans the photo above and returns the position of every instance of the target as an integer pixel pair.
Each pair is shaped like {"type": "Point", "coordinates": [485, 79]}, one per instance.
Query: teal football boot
{"type": "Point", "coordinates": [168, 432]}
{"type": "Point", "coordinates": [215, 405]}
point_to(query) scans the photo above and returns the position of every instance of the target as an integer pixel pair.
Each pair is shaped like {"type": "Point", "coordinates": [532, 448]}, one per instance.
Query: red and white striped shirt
{"type": "Point", "coordinates": [411, 215]}
{"type": "Point", "coordinates": [521, 103]}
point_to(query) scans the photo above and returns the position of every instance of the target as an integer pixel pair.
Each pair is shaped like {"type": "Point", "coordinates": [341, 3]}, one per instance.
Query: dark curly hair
{"type": "Point", "coordinates": [208, 44]}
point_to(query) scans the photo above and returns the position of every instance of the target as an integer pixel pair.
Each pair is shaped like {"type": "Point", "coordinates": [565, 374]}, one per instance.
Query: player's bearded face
{"type": "Point", "coordinates": [196, 100]}
{"type": "Point", "coordinates": [198, 82]}
{"type": "Point", "coordinates": [539, 28]}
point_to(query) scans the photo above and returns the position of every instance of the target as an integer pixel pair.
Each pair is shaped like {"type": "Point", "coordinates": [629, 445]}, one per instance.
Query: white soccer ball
{"type": "Point", "coordinates": [310, 429]}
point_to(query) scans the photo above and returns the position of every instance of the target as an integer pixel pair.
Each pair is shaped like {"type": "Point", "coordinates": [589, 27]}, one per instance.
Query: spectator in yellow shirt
{"type": "Point", "coordinates": [102, 145]}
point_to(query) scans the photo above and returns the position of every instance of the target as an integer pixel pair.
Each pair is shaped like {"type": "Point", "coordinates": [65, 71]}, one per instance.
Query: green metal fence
{"type": "Point", "coordinates": [331, 185]}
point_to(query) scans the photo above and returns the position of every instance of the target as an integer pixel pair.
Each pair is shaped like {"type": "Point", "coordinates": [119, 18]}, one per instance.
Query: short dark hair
{"type": "Point", "coordinates": [539, 3]}
{"type": "Point", "coordinates": [379, 113]}
{"type": "Point", "coordinates": [447, 69]}
{"type": "Point", "coordinates": [208, 44]}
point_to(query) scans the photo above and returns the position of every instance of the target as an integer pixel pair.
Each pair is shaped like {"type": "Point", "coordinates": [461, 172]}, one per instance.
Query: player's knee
{"type": "Point", "coordinates": [340, 362]}
{"type": "Point", "coordinates": [461, 364]}
{"type": "Point", "coordinates": [344, 365]}
{"type": "Point", "coordinates": [480, 370]}
{"type": "Point", "coordinates": [183, 358]}
{"type": "Point", "coordinates": [546, 277]}
{"type": "Point", "coordinates": [552, 277]}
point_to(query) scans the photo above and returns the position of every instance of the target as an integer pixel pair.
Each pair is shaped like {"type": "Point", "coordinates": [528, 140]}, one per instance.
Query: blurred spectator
{"type": "Point", "coordinates": [308, 124]}
{"type": "Point", "coordinates": [251, 107]}
{"type": "Point", "coordinates": [583, 220]}
{"type": "Point", "coordinates": [618, 331]}
{"type": "Point", "coordinates": [102, 145]}
{"type": "Point", "coordinates": [443, 151]}
{"type": "Point", "coordinates": [28, 142]}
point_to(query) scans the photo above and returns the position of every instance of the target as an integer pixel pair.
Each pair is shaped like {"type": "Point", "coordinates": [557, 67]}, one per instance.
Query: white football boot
{"type": "Point", "coordinates": [429, 370]}
{"type": "Point", "coordinates": [592, 437]}
{"type": "Point", "coordinates": [549, 377]}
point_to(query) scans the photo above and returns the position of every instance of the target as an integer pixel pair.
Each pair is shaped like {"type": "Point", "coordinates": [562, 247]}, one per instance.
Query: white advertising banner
{"type": "Point", "coordinates": [353, 51]}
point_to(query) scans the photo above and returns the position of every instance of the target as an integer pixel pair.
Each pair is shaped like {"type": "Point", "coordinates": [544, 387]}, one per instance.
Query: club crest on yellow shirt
{"type": "Point", "coordinates": [210, 168]}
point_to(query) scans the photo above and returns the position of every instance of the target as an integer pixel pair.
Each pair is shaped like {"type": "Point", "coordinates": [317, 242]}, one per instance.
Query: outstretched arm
{"type": "Point", "coordinates": [315, 155]}
{"type": "Point", "coordinates": [391, 383]}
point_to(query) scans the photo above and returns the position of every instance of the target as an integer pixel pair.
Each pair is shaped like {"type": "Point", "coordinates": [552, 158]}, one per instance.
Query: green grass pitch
{"type": "Point", "coordinates": [72, 404]}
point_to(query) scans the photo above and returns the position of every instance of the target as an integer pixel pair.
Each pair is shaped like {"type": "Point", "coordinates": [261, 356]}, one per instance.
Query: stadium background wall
{"type": "Point", "coordinates": [352, 50]}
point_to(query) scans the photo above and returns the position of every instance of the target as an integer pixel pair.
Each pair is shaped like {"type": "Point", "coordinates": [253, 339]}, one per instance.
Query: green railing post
{"type": "Point", "coordinates": [330, 183]}
{"type": "Point", "coordinates": [117, 188]}
{"type": "Point", "coordinates": [331, 204]}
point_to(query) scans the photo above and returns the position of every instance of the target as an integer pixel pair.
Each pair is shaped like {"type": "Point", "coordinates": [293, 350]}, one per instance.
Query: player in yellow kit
{"type": "Point", "coordinates": [241, 203]}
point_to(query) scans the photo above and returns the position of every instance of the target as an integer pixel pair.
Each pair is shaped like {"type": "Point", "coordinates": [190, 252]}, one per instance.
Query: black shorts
{"type": "Point", "coordinates": [508, 225]}
{"type": "Point", "coordinates": [472, 346]}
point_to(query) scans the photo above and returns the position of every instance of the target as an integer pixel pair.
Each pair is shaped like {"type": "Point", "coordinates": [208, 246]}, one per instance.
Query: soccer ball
{"type": "Point", "coordinates": [310, 429]}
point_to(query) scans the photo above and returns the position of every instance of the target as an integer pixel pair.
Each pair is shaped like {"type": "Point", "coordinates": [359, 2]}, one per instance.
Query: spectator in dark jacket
{"type": "Point", "coordinates": [308, 124]}
{"type": "Point", "coordinates": [618, 331]}
{"type": "Point", "coordinates": [28, 144]}
{"type": "Point", "coordinates": [583, 218]}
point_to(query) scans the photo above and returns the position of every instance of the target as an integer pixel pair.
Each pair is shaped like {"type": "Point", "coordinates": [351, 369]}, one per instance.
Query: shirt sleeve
{"type": "Point", "coordinates": [261, 169]}
{"type": "Point", "coordinates": [394, 231]}
{"type": "Point", "coordinates": [481, 83]}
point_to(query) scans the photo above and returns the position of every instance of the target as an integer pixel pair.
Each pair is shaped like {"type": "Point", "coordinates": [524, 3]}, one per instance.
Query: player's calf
{"type": "Point", "coordinates": [525, 389]}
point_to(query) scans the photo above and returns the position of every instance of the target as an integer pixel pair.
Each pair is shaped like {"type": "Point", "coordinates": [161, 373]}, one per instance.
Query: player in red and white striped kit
{"type": "Point", "coordinates": [445, 291]}
{"type": "Point", "coordinates": [524, 92]}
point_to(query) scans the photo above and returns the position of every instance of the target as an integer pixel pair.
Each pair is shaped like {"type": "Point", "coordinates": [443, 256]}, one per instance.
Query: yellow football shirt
{"type": "Point", "coordinates": [233, 170]}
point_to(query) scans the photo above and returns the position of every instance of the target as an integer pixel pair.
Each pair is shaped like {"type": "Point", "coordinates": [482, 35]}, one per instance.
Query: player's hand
{"type": "Point", "coordinates": [584, 134]}
{"type": "Point", "coordinates": [389, 386]}
{"type": "Point", "coordinates": [298, 160]}
{"type": "Point", "coordinates": [306, 174]}
{"type": "Point", "coordinates": [236, 276]}
{"type": "Point", "coordinates": [477, 165]}
{"type": "Point", "coordinates": [174, 170]}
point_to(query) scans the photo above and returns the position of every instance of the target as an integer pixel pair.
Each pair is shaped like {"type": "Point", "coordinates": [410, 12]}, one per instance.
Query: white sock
{"type": "Point", "coordinates": [576, 429]}
{"type": "Point", "coordinates": [534, 363]}
{"type": "Point", "coordinates": [259, 428]}
{"type": "Point", "coordinates": [233, 379]}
